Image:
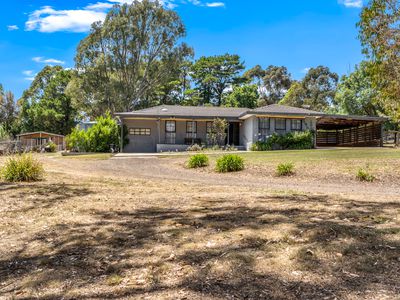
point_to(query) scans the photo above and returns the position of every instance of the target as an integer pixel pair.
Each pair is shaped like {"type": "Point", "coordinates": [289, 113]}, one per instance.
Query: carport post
{"type": "Point", "coordinates": [121, 142]}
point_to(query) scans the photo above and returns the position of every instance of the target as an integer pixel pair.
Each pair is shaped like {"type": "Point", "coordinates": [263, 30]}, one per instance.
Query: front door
{"type": "Point", "coordinates": [233, 134]}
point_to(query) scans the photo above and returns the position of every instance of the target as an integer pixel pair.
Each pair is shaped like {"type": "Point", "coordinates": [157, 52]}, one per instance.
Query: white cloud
{"type": "Point", "coordinates": [215, 4]}
{"type": "Point", "coordinates": [30, 75]}
{"type": "Point", "coordinates": [27, 72]}
{"type": "Point", "coordinates": [99, 6]}
{"type": "Point", "coordinates": [49, 19]}
{"type": "Point", "coordinates": [305, 70]}
{"type": "Point", "coordinates": [12, 27]}
{"type": "Point", "coordinates": [352, 3]}
{"type": "Point", "coordinates": [40, 59]}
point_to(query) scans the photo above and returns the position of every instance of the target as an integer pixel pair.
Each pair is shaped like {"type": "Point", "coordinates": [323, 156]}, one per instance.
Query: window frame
{"type": "Point", "coordinates": [284, 122]}
{"type": "Point", "coordinates": [170, 136]}
{"type": "Point", "coordinates": [296, 129]}
{"type": "Point", "coordinates": [193, 123]}
{"type": "Point", "coordinates": [140, 131]}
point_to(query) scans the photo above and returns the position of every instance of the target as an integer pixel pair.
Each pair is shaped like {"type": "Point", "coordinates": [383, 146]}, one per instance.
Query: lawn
{"type": "Point", "coordinates": [153, 229]}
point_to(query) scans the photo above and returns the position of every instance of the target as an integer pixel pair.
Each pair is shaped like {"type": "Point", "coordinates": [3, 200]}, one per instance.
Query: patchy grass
{"type": "Point", "coordinates": [92, 232]}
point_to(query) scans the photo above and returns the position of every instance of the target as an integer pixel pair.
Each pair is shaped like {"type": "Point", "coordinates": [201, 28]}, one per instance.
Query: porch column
{"type": "Point", "coordinates": [121, 143]}
{"type": "Point", "coordinates": [228, 133]}
{"type": "Point", "coordinates": [159, 130]}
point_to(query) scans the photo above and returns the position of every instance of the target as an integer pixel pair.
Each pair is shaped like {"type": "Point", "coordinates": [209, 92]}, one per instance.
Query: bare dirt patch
{"type": "Point", "coordinates": [130, 229]}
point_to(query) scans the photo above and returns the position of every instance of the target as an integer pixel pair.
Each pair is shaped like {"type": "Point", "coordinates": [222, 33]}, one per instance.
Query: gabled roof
{"type": "Point", "coordinates": [38, 133]}
{"type": "Point", "coordinates": [278, 109]}
{"type": "Point", "coordinates": [187, 111]}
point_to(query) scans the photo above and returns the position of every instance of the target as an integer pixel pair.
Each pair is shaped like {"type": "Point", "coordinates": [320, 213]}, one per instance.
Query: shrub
{"type": "Point", "coordinates": [98, 138]}
{"type": "Point", "coordinates": [285, 169]}
{"type": "Point", "coordinates": [291, 140]}
{"type": "Point", "coordinates": [198, 161]}
{"type": "Point", "coordinates": [194, 148]}
{"type": "Point", "coordinates": [364, 175]}
{"type": "Point", "coordinates": [51, 147]}
{"type": "Point", "coordinates": [77, 140]}
{"type": "Point", "coordinates": [230, 163]}
{"type": "Point", "coordinates": [22, 168]}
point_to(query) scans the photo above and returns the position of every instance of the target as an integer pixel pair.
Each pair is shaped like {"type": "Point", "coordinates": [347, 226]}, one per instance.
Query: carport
{"type": "Point", "coordinates": [351, 131]}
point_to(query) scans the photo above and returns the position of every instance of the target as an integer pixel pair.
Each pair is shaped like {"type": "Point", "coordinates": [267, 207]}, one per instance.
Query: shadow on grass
{"type": "Point", "coordinates": [338, 243]}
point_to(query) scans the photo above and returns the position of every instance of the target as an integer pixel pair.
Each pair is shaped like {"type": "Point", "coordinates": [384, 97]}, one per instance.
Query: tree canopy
{"type": "Point", "coordinates": [214, 74]}
{"type": "Point", "coordinates": [355, 94]}
{"type": "Point", "coordinates": [380, 37]}
{"type": "Point", "coordinates": [45, 106]}
{"type": "Point", "coordinates": [125, 60]}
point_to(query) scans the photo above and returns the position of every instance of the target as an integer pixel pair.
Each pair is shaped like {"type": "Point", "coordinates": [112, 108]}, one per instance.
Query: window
{"type": "Point", "coordinates": [209, 126]}
{"type": "Point", "coordinates": [170, 132]}
{"type": "Point", "coordinates": [296, 124]}
{"type": "Point", "coordinates": [140, 131]}
{"type": "Point", "coordinates": [280, 124]}
{"type": "Point", "coordinates": [191, 129]}
{"type": "Point", "coordinates": [263, 127]}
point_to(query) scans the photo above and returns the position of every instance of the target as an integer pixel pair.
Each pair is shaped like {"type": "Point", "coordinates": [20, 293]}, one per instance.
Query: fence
{"type": "Point", "coordinates": [368, 135]}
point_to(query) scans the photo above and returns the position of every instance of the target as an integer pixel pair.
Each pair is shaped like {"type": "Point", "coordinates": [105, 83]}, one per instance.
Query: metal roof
{"type": "Point", "coordinates": [39, 132]}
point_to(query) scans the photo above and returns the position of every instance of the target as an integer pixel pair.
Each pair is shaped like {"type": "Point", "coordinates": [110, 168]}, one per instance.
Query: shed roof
{"type": "Point", "coordinates": [38, 133]}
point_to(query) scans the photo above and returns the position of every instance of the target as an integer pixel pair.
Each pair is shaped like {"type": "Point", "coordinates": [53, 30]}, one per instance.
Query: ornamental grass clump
{"type": "Point", "coordinates": [285, 169]}
{"type": "Point", "coordinates": [198, 161]}
{"type": "Point", "coordinates": [229, 163]}
{"type": "Point", "coordinates": [364, 175]}
{"type": "Point", "coordinates": [22, 168]}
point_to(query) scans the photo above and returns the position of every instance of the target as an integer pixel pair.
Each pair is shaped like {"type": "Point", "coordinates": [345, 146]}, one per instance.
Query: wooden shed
{"type": "Point", "coordinates": [352, 131]}
{"type": "Point", "coordinates": [38, 140]}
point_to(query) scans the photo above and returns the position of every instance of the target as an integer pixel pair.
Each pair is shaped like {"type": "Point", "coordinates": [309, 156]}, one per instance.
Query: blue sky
{"type": "Point", "coordinates": [295, 33]}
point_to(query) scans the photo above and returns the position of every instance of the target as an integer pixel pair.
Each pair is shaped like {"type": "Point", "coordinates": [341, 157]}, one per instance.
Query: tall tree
{"type": "Point", "coordinates": [124, 60]}
{"type": "Point", "coordinates": [380, 37]}
{"type": "Point", "coordinates": [356, 95]}
{"type": "Point", "coordinates": [316, 91]}
{"type": "Point", "coordinates": [277, 81]}
{"type": "Point", "coordinates": [320, 87]}
{"type": "Point", "coordinates": [213, 75]}
{"type": "Point", "coordinates": [45, 105]}
{"type": "Point", "coordinates": [243, 96]}
{"type": "Point", "coordinates": [295, 96]}
{"type": "Point", "coordinates": [8, 111]}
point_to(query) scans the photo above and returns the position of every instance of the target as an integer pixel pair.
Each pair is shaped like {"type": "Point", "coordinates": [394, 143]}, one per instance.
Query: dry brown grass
{"type": "Point", "coordinates": [87, 234]}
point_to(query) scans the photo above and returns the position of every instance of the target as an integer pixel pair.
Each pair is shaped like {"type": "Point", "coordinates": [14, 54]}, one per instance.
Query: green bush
{"type": "Point", "coordinates": [230, 163]}
{"type": "Point", "coordinates": [198, 161]}
{"type": "Point", "coordinates": [291, 140]}
{"type": "Point", "coordinates": [364, 175]}
{"type": "Point", "coordinates": [22, 168]}
{"type": "Point", "coordinates": [77, 141]}
{"type": "Point", "coordinates": [285, 169]}
{"type": "Point", "coordinates": [51, 147]}
{"type": "Point", "coordinates": [98, 138]}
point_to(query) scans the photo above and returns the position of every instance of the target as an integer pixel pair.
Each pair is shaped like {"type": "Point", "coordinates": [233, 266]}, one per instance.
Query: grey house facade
{"type": "Point", "coordinates": [174, 128]}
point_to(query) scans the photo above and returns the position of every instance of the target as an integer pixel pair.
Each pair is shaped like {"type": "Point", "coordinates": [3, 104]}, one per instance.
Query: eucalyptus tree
{"type": "Point", "coordinates": [213, 75]}
{"type": "Point", "coordinates": [277, 81]}
{"type": "Point", "coordinates": [125, 60]}
{"type": "Point", "coordinates": [380, 37]}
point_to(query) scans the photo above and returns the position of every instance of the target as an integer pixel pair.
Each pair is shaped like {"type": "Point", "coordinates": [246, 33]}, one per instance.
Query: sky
{"type": "Point", "coordinates": [298, 34]}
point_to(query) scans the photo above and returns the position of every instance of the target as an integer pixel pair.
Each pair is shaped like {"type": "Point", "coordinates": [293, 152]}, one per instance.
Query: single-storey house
{"type": "Point", "coordinates": [173, 128]}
